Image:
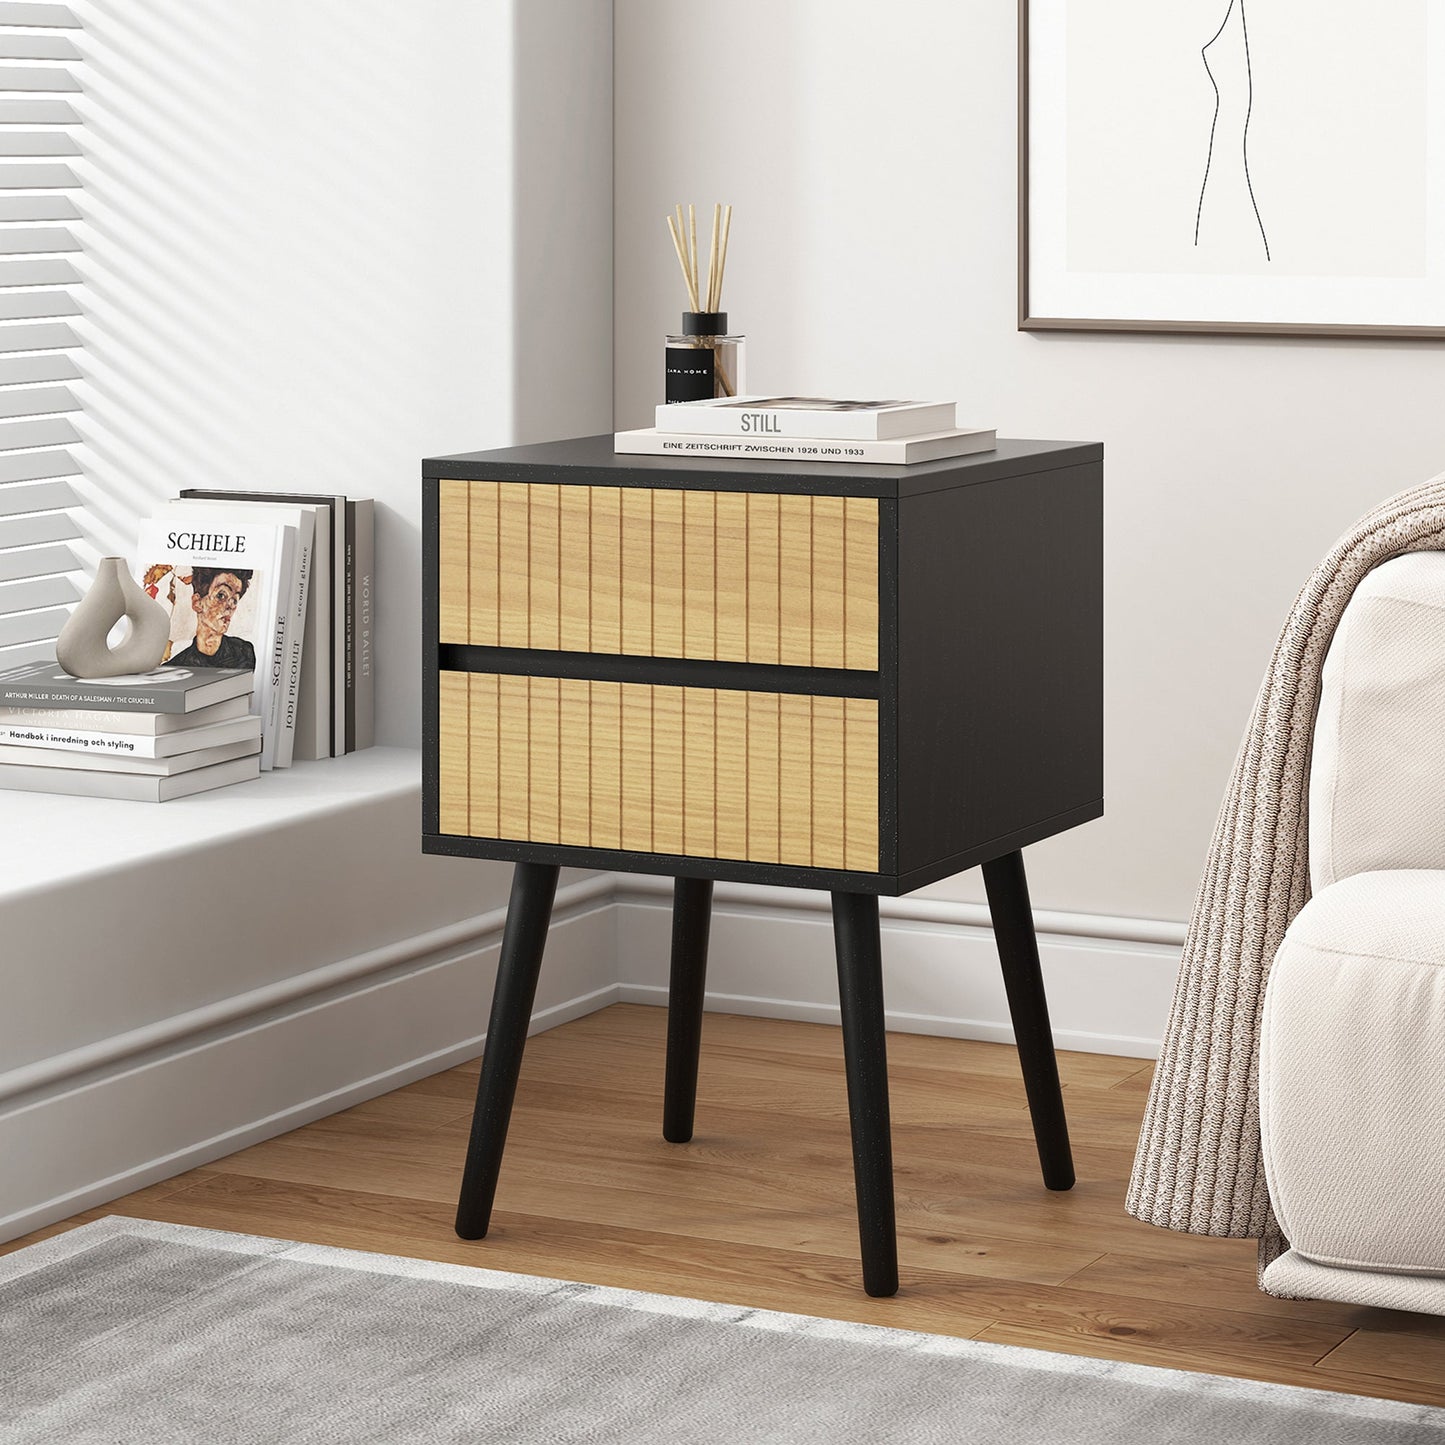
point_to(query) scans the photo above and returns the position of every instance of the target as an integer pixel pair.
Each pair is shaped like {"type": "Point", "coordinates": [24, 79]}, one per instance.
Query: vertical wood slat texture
{"type": "Point", "coordinates": [860, 793]}
{"type": "Point", "coordinates": [606, 569]}
{"type": "Point", "coordinates": [453, 753]}
{"type": "Point", "coordinates": [544, 759]}
{"type": "Point", "coordinates": [576, 757]}
{"type": "Point", "coordinates": [637, 787]}
{"type": "Point", "coordinates": [606, 764]}
{"type": "Point", "coordinates": [453, 541]}
{"type": "Point", "coordinates": [764, 579]}
{"type": "Point", "coordinates": [701, 772]}
{"type": "Point", "coordinates": [484, 570]}
{"type": "Point", "coordinates": [735, 576]}
{"type": "Point", "coordinates": [828, 577]}
{"type": "Point", "coordinates": [544, 571]}
{"type": "Point", "coordinates": [730, 545]}
{"type": "Point", "coordinates": [637, 570]}
{"type": "Point", "coordinates": [667, 761]}
{"type": "Point", "coordinates": [483, 755]}
{"type": "Point", "coordinates": [762, 771]}
{"type": "Point", "coordinates": [513, 758]}
{"type": "Point", "coordinates": [575, 584]}
{"type": "Point", "coordinates": [513, 550]}
{"type": "Point", "coordinates": [860, 592]}
{"type": "Point", "coordinates": [730, 774]}
{"type": "Point", "coordinates": [699, 574]}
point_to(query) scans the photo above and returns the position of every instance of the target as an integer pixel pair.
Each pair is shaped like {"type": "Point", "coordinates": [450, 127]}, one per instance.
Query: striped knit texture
{"type": "Point", "coordinates": [1199, 1168]}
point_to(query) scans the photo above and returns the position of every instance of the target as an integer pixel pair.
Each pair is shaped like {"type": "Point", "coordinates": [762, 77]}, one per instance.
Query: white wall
{"type": "Point", "coordinates": [869, 153]}
{"type": "Point", "coordinates": [312, 253]}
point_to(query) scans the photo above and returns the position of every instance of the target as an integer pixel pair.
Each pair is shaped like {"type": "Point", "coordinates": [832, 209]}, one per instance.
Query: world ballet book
{"type": "Point", "coordinates": [168, 690]}
{"type": "Point", "coordinates": [807, 416]}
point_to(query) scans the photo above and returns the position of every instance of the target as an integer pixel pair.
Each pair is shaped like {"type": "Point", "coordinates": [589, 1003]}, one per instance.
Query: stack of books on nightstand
{"type": "Point", "coordinates": [808, 429]}
{"type": "Point", "coordinates": [152, 737]}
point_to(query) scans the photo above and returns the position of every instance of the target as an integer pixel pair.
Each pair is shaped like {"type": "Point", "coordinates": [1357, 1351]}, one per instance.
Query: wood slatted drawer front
{"type": "Point", "coordinates": [725, 576]}
{"type": "Point", "coordinates": [706, 772]}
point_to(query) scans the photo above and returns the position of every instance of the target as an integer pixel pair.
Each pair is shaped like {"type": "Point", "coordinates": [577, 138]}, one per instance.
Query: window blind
{"type": "Point", "coordinates": [39, 69]}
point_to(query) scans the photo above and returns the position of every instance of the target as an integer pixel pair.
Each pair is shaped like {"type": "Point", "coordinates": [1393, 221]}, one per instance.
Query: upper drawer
{"type": "Point", "coordinates": [727, 576]}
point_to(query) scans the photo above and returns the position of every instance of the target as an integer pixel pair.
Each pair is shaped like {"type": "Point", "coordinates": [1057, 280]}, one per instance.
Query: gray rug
{"type": "Point", "coordinates": [129, 1331]}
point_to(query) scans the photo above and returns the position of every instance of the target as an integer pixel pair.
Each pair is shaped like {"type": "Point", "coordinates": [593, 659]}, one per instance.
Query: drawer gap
{"type": "Point", "coordinates": [670, 671]}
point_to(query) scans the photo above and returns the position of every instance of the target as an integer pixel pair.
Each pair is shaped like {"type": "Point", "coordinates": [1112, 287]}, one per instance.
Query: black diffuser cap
{"type": "Point", "coordinates": [704, 323]}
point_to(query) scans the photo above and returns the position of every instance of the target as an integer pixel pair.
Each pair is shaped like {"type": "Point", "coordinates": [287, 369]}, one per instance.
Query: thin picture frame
{"type": "Point", "coordinates": [1030, 320]}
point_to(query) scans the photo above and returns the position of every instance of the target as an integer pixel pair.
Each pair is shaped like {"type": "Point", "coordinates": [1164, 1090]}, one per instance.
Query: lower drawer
{"type": "Point", "coordinates": [706, 772]}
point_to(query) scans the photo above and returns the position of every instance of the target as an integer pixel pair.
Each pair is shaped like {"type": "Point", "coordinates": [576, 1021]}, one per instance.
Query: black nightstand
{"type": "Point", "coordinates": [860, 679]}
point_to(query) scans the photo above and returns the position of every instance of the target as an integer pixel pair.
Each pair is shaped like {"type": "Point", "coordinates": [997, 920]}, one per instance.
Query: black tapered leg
{"type": "Point", "coordinates": [865, 1056]}
{"type": "Point", "coordinates": [529, 911]}
{"type": "Point", "coordinates": [1018, 952]}
{"type": "Point", "coordinates": [687, 988]}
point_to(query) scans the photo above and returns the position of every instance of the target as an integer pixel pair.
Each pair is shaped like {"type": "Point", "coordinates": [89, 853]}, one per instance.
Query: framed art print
{"type": "Point", "coordinates": [1232, 166]}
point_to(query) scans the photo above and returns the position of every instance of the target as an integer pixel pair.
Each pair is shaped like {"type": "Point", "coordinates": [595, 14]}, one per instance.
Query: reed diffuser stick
{"type": "Point", "coordinates": [723, 258]}
{"type": "Point", "coordinates": [714, 280]}
{"type": "Point", "coordinates": [692, 250]}
{"type": "Point", "coordinates": [682, 261]}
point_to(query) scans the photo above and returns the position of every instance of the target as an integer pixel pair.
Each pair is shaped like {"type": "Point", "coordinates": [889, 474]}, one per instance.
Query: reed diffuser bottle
{"type": "Point", "coordinates": [704, 360]}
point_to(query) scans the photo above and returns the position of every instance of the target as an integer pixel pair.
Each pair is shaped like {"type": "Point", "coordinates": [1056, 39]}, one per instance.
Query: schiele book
{"type": "Point", "coordinates": [136, 787]}
{"type": "Point", "coordinates": [167, 690]}
{"type": "Point", "coordinates": [768, 417]}
{"type": "Point", "coordinates": [226, 583]}
{"type": "Point", "coordinates": [321, 707]}
{"type": "Point", "coordinates": [295, 566]}
{"type": "Point", "coordinates": [899, 451]}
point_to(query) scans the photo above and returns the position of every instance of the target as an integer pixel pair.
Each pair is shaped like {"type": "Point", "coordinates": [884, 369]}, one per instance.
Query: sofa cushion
{"type": "Point", "coordinates": [1377, 772]}
{"type": "Point", "coordinates": [1352, 1075]}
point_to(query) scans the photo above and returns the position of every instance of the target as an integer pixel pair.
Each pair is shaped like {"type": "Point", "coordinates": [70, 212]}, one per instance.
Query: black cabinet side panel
{"type": "Point", "coordinates": [1000, 669]}
{"type": "Point", "coordinates": [430, 682]}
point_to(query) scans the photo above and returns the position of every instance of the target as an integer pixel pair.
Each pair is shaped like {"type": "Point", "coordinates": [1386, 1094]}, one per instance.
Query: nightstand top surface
{"type": "Point", "coordinates": [590, 461]}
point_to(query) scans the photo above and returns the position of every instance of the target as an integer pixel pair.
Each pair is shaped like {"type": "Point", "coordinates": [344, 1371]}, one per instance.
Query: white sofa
{"type": "Point", "coordinates": [1352, 1054]}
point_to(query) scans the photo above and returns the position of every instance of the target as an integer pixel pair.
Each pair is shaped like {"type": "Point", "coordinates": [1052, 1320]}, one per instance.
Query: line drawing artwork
{"type": "Point", "coordinates": [1214, 122]}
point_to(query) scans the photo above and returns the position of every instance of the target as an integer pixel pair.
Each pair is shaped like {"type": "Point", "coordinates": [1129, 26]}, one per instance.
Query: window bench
{"type": "Point", "coordinates": [181, 980]}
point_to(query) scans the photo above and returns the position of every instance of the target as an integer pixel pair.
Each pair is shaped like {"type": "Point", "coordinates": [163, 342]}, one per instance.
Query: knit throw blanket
{"type": "Point", "coordinates": [1199, 1168]}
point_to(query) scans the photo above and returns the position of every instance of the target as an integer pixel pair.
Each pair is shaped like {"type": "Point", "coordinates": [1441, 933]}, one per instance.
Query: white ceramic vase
{"type": "Point", "coordinates": [82, 650]}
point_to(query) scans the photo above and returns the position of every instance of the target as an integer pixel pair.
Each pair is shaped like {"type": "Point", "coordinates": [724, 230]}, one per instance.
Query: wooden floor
{"type": "Point", "coordinates": [758, 1209]}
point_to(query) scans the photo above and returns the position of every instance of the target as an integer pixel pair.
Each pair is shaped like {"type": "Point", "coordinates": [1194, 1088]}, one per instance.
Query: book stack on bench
{"type": "Point", "coordinates": [808, 429]}
{"type": "Point", "coordinates": [151, 737]}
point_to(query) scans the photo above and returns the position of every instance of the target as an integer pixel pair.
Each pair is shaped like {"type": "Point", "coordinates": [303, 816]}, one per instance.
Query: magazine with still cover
{"type": "Point", "coordinates": [767, 417]}
{"type": "Point", "coordinates": [225, 581]}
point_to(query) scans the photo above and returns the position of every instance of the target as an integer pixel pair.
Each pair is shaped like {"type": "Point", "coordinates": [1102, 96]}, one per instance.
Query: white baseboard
{"type": "Point", "coordinates": [125, 1111]}
{"type": "Point", "coordinates": [205, 1092]}
{"type": "Point", "coordinates": [770, 953]}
